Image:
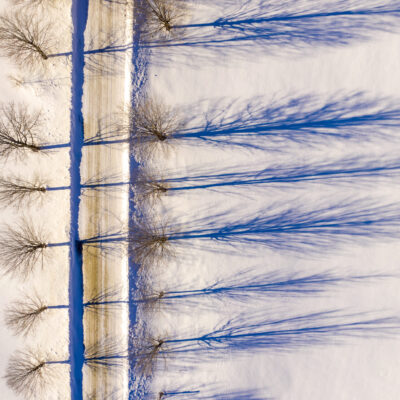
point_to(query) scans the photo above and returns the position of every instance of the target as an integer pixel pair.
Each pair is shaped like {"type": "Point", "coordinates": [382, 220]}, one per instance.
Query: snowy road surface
{"type": "Point", "coordinates": [105, 160]}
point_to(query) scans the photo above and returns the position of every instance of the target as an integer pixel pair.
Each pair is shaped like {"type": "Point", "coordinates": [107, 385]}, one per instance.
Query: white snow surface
{"type": "Point", "coordinates": [50, 92]}
{"type": "Point", "coordinates": [214, 85]}
{"type": "Point", "coordinates": [198, 80]}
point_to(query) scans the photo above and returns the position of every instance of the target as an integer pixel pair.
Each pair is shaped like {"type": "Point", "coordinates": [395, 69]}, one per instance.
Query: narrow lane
{"type": "Point", "coordinates": [106, 160]}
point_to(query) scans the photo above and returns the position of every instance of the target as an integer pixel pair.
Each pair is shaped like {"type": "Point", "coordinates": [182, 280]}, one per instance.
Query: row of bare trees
{"type": "Point", "coordinates": [30, 372]}
{"type": "Point", "coordinates": [28, 39]}
{"type": "Point", "coordinates": [151, 243]}
{"type": "Point", "coordinates": [20, 132]}
{"type": "Point", "coordinates": [154, 129]}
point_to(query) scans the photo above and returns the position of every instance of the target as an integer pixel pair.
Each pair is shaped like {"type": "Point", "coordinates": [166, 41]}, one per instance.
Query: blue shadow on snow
{"type": "Point", "coordinates": [295, 227]}
{"type": "Point", "coordinates": [76, 339]}
{"type": "Point", "coordinates": [304, 119]}
{"type": "Point", "coordinates": [281, 25]}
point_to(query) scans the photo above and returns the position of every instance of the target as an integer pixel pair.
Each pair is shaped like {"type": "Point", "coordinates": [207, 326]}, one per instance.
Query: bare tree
{"type": "Point", "coordinates": [153, 122]}
{"type": "Point", "coordinates": [28, 374]}
{"type": "Point", "coordinates": [147, 354]}
{"type": "Point", "coordinates": [23, 316]}
{"type": "Point", "coordinates": [147, 187]}
{"type": "Point", "coordinates": [163, 15]}
{"type": "Point", "coordinates": [16, 191]}
{"type": "Point", "coordinates": [21, 248]}
{"type": "Point", "coordinates": [19, 128]}
{"type": "Point", "coordinates": [148, 297]}
{"type": "Point", "coordinates": [149, 243]}
{"type": "Point", "coordinates": [25, 38]}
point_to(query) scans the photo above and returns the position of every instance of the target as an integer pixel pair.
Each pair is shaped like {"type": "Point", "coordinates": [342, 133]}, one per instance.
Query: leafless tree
{"type": "Point", "coordinates": [147, 354]}
{"type": "Point", "coordinates": [152, 122]}
{"type": "Point", "coordinates": [17, 191]}
{"type": "Point", "coordinates": [149, 243]}
{"type": "Point", "coordinates": [25, 37]}
{"type": "Point", "coordinates": [24, 315]}
{"type": "Point", "coordinates": [148, 298]}
{"type": "Point", "coordinates": [163, 15]}
{"type": "Point", "coordinates": [147, 187]}
{"type": "Point", "coordinates": [21, 248]}
{"type": "Point", "coordinates": [19, 128]}
{"type": "Point", "coordinates": [28, 374]}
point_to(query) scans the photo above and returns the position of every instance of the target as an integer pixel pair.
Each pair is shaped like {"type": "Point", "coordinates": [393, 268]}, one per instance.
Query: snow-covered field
{"type": "Point", "coordinates": [283, 200]}
{"type": "Point", "coordinates": [50, 92]}
{"type": "Point", "coordinates": [287, 171]}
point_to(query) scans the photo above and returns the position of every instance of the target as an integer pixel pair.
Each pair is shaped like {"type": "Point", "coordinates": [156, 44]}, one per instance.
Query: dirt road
{"type": "Point", "coordinates": [105, 160]}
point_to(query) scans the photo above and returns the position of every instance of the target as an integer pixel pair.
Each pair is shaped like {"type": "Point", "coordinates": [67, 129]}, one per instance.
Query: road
{"type": "Point", "coordinates": [105, 160]}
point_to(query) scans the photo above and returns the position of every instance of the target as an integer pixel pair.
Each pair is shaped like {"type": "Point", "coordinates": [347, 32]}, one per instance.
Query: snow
{"type": "Point", "coordinates": [105, 211]}
{"type": "Point", "coordinates": [50, 92]}
{"type": "Point", "coordinates": [225, 85]}
{"type": "Point", "coordinates": [212, 84]}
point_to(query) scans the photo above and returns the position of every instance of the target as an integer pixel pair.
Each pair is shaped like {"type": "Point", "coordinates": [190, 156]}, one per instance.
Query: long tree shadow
{"type": "Point", "coordinates": [106, 354]}
{"type": "Point", "coordinates": [245, 333]}
{"type": "Point", "coordinates": [248, 332]}
{"type": "Point", "coordinates": [109, 130]}
{"type": "Point", "coordinates": [209, 394]}
{"type": "Point", "coordinates": [104, 54]}
{"type": "Point", "coordinates": [106, 302]}
{"type": "Point", "coordinates": [246, 285]}
{"type": "Point", "coordinates": [23, 315]}
{"type": "Point", "coordinates": [289, 24]}
{"type": "Point", "coordinates": [355, 171]}
{"type": "Point", "coordinates": [96, 183]}
{"type": "Point", "coordinates": [106, 243]}
{"type": "Point", "coordinates": [103, 394]}
{"type": "Point", "coordinates": [293, 228]}
{"type": "Point", "coordinates": [111, 3]}
{"type": "Point", "coordinates": [303, 119]}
